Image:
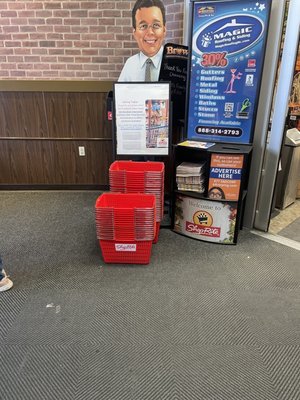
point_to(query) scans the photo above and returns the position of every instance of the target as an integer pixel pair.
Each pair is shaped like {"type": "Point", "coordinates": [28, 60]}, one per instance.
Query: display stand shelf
{"type": "Point", "coordinates": [225, 172]}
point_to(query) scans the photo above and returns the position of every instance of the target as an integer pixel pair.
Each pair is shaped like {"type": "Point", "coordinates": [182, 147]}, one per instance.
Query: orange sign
{"type": "Point", "coordinates": [225, 176]}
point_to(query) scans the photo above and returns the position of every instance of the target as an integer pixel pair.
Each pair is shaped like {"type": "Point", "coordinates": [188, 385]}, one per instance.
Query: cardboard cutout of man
{"type": "Point", "coordinates": [149, 30]}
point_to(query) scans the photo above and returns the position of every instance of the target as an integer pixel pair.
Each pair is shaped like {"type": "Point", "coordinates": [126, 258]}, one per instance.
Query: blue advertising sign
{"type": "Point", "coordinates": [228, 45]}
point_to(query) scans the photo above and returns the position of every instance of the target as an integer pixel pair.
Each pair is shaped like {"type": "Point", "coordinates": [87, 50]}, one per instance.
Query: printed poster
{"type": "Point", "coordinates": [142, 112]}
{"type": "Point", "coordinates": [228, 47]}
{"type": "Point", "coordinates": [225, 176]}
{"type": "Point", "coordinates": [206, 220]}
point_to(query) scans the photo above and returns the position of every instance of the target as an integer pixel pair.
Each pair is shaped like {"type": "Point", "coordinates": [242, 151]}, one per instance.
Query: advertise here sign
{"type": "Point", "coordinates": [225, 176]}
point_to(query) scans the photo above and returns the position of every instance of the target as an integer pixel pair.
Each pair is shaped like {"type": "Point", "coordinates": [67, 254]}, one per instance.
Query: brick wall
{"type": "Point", "coordinates": [71, 39]}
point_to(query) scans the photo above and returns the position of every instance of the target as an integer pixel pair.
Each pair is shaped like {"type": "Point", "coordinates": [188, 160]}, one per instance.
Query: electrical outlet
{"type": "Point", "coordinates": [81, 151]}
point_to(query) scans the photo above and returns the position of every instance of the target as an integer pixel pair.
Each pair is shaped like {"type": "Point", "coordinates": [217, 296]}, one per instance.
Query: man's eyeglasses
{"type": "Point", "coordinates": [155, 26]}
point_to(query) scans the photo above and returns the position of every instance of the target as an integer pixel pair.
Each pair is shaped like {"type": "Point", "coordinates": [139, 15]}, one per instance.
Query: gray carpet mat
{"type": "Point", "coordinates": [201, 321]}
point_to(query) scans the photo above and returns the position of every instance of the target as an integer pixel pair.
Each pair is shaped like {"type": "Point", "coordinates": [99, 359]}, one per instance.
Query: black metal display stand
{"type": "Point", "coordinates": [200, 217]}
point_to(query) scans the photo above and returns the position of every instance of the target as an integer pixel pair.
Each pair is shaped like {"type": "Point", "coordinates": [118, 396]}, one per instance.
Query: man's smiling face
{"type": "Point", "coordinates": [150, 30]}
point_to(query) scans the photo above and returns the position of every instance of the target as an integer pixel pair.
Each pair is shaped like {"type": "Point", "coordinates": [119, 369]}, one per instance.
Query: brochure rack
{"type": "Point", "coordinates": [200, 216]}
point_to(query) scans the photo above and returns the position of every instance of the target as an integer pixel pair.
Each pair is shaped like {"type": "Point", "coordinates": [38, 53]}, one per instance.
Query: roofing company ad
{"type": "Point", "coordinates": [228, 46]}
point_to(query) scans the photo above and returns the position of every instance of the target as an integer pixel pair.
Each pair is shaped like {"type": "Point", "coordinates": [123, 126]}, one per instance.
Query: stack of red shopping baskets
{"type": "Point", "coordinates": [140, 177]}
{"type": "Point", "coordinates": [126, 225]}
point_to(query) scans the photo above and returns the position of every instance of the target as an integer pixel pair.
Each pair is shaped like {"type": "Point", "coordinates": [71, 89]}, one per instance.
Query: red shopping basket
{"type": "Point", "coordinates": [137, 166]}
{"type": "Point", "coordinates": [126, 227]}
{"type": "Point", "coordinates": [155, 240]}
{"type": "Point", "coordinates": [126, 252]}
{"type": "Point", "coordinates": [140, 177]}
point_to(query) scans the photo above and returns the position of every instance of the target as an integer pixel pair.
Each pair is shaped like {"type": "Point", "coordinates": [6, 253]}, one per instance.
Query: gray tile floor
{"type": "Point", "coordinates": [286, 222]}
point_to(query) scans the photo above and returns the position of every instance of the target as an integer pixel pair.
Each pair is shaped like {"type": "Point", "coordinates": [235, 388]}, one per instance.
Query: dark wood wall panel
{"type": "Point", "coordinates": [54, 162]}
{"type": "Point", "coordinates": [100, 156]}
{"type": "Point", "coordinates": [5, 166]}
{"type": "Point", "coordinates": [36, 166]}
{"type": "Point", "coordinates": [70, 168]}
{"type": "Point", "coordinates": [57, 115]}
{"type": "Point", "coordinates": [41, 131]}
{"type": "Point", "coordinates": [76, 115]}
{"type": "Point", "coordinates": [22, 114]}
{"type": "Point", "coordinates": [18, 161]}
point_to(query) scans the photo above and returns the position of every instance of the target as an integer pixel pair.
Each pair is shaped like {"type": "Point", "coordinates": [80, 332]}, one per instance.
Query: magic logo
{"type": "Point", "coordinates": [233, 34]}
{"type": "Point", "coordinates": [236, 31]}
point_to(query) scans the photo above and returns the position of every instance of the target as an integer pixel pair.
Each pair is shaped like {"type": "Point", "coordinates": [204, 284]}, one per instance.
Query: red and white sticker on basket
{"type": "Point", "coordinates": [125, 247]}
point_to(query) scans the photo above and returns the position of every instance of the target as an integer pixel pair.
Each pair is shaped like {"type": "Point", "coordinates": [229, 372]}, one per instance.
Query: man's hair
{"type": "Point", "coordinates": [146, 4]}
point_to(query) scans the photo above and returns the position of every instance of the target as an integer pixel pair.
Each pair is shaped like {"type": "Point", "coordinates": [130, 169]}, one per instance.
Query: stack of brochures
{"type": "Point", "coordinates": [190, 176]}
{"type": "Point", "coordinates": [199, 145]}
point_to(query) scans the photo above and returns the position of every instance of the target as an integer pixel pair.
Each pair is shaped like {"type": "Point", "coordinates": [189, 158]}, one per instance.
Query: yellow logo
{"type": "Point", "coordinates": [202, 218]}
